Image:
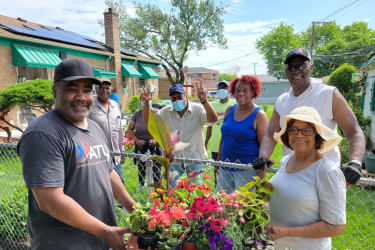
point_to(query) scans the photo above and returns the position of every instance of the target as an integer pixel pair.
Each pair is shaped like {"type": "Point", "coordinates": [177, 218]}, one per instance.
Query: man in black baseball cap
{"type": "Point", "coordinates": [331, 106]}
{"type": "Point", "coordinates": [69, 172]}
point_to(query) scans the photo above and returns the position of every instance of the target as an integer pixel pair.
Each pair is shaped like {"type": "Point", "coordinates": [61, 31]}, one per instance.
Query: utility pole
{"type": "Point", "coordinates": [271, 63]}
{"type": "Point", "coordinates": [313, 34]}
{"type": "Point", "coordinates": [255, 72]}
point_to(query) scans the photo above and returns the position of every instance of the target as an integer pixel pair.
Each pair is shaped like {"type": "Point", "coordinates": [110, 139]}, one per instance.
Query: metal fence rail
{"type": "Point", "coordinates": [358, 234]}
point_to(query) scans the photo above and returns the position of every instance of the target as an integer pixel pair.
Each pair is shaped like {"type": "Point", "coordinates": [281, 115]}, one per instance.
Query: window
{"type": "Point", "coordinates": [199, 74]}
{"type": "Point", "coordinates": [213, 74]}
{"type": "Point", "coordinates": [21, 120]}
{"type": "Point", "coordinates": [191, 75]}
{"type": "Point", "coordinates": [142, 82]}
{"type": "Point", "coordinates": [32, 73]}
{"type": "Point", "coordinates": [372, 103]}
{"type": "Point", "coordinates": [264, 90]}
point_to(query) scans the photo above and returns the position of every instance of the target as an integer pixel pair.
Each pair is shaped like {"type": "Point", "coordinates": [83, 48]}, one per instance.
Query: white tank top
{"type": "Point", "coordinates": [317, 96]}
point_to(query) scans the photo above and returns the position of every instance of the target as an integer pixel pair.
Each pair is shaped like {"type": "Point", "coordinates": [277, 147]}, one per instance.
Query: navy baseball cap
{"type": "Point", "coordinates": [177, 88]}
{"type": "Point", "coordinates": [297, 52]}
{"type": "Point", "coordinates": [74, 69]}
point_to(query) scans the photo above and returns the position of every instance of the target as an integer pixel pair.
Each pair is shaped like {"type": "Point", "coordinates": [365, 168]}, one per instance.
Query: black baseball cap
{"type": "Point", "coordinates": [297, 52]}
{"type": "Point", "coordinates": [74, 69]}
{"type": "Point", "coordinates": [177, 88]}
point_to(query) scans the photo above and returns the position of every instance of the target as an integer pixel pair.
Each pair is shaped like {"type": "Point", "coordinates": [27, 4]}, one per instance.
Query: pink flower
{"type": "Point", "coordinates": [242, 220]}
{"type": "Point", "coordinates": [231, 214]}
{"type": "Point", "coordinates": [178, 213]}
{"type": "Point", "coordinates": [240, 213]}
{"type": "Point", "coordinates": [216, 225]}
{"type": "Point", "coordinates": [226, 222]}
{"type": "Point", "coordinates": [157, 203]}
{"type": "Point", "coordinates": [211, 204]}
{"type": "Point", "coordinates": [167, 231]}
{"type": "Point", "coordinates": [219, 209]}
{"type": "Point", "coordinates": [193, 216]}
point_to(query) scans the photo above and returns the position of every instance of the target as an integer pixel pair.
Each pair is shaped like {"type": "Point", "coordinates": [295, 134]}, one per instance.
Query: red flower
{"type": "Point", "coordinates": [216, 225]}
{"type": "Point", "coordinates": [192, 186]}
{"type": "Point", "coordinates": [207, 177]}
{"type": "Point", "coordinates": [212, 204]}
{"type": "Point", "coordinates": [177, 213]}
{"type": "Point", "coordinates": [205, 188]}
{"type": "Point", "coordinates": [192, 216]}
{"type": "Point", "coordinates": [201, 206]}
{"type": "Point", "coordinates": [184, 223]}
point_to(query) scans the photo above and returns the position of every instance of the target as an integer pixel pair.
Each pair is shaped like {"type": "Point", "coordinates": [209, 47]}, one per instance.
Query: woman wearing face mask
{"type": "Point", "coordinates": [242, 131]}
{"type": "Point", "coordinates": [214, 132]}
{"type": "Point", "coordinates": [138, 131]}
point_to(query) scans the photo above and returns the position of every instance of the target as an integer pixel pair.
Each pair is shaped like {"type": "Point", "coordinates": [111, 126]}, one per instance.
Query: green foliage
{"type": "Point", "coordinates": [188, 26]}
{"type": "Point", "coordinates": [329, 39]}
{"type": "Point", "coordinates": [13, 216]}
{"type": "Point", "coordinates": [134, 104]}
{"type": "Point", "coordinates": [226, 77]}
{"type": "Point", "coordinates": [265, 107]}
{"type": "Point", "coordinates": [341, 79]}
{"type": "Point", "coordinates": [364, 122]}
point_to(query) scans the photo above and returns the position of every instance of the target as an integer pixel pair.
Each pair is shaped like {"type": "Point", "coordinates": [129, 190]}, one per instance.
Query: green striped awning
{"type": "Point", "coordinates": [104, 73]}
{"type": "Point", "coordinates": [129, 70]}
{"type": "Point", "coordinates": [147, 71]}
{"type": "Point", "coordinates": [27, 56]}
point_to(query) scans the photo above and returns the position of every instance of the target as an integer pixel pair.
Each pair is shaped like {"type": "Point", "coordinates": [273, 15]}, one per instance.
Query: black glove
{"type": "Point", "coordinates": [352, 172]}
{"type": "Point", "coordinates": [259, 162]}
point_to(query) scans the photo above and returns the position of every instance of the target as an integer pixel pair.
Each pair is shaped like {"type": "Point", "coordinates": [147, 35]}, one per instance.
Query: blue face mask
{"type": "Point", "coordinates": [222, 93]}
{"type": "Point", "coordinates": [149, 103]}
{"type": "Point", "coordinates": [179, 105]}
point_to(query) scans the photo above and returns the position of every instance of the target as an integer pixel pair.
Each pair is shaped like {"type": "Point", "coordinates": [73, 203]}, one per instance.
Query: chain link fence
{"type": "Point", "coordinates": [358, 234]}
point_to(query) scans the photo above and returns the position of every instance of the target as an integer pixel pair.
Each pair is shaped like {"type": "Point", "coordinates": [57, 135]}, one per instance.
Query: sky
{"type": "Point", "coordinates": [245, 22]}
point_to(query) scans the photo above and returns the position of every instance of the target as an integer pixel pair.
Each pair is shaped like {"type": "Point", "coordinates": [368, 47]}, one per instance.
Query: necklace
{"type": "Point", "coordinates": [304, 160]}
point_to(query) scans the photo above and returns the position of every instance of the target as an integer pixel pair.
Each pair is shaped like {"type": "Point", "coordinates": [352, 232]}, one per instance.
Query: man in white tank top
{"type": "Point", "coordinates": [331, 106]}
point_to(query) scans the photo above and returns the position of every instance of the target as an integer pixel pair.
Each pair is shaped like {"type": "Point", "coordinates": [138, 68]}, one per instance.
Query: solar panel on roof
{"type": "Point", "coordinates": [129, 52]}
{"type": "Point", "coordinates": [70, 34]}
{"type": "Point", "coordinates": [51, 35]}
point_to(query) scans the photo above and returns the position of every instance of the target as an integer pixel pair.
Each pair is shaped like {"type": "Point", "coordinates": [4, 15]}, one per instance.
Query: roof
{"type": "Point", "coordinates": [271, 79]}
{"type": "Point", "coordinates": [18, 29]}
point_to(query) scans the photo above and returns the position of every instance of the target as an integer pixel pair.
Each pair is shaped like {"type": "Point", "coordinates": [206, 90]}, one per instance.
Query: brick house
{"type": "Point", "coordinates": [192, 74]}
{"type": "Point", "coordinates": [30, 50]}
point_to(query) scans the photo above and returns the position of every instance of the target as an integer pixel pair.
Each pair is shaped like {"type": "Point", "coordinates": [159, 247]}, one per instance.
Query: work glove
{"type": "Point", "coordinates": [352, 172]}
{"type": "Point", "coordinates": [259, 162]}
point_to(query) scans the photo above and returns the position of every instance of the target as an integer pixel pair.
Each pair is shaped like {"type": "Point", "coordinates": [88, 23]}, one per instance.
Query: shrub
{"type": "Point", "coordinates": [134, 103]}
{"type": "Point", "coordinates": [13, 216]}
{"type": "Point", "coordinates": [265, 107]}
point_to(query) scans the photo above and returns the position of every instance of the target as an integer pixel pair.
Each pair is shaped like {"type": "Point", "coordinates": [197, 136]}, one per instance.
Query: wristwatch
{"type": "Point", "coordinates": [356, 162]}
{"type": "Point", "coordinates": [204, 102]}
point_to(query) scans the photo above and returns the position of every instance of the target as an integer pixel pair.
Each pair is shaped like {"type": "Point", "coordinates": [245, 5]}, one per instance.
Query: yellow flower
{"type": "Point", "coordinates": [166, 199]}
{"type": "Point", "coordinates": [159, 200]}
{"type": "Point", "coordinates": [153, 194]}
{"type": "Point", "coordinates": [135, 206]}
{"type": "Point", "coordinates": [143, 231]}
{"type": "Point", "coordinates": [128, 220]}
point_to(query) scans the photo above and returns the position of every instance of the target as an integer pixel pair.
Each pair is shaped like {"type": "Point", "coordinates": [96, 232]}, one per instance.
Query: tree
{"type": "Point", "coordinates": [36, 94]}
{"type": "Point", "coordinates": [341, 78]}
{"type": "Point", "coordinates": [226, 77]}
{"type": "Point", "coordinates": [275, 45]}
{"type": "Point", "coordinates": [333, 45]}
{"type": "Point", "coordinates": [190, 25]}
{"type": "Point", "coordinates": [234, 69]}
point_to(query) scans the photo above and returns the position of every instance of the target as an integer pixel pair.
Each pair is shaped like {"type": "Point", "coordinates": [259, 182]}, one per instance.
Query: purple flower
{"type": "Point", "coordinates": [228, 246]}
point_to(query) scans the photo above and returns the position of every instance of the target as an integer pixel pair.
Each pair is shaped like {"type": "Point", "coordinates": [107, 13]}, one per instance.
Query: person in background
{"type": "Point", "coordinates": [188, 118]}
{"type": "Point", "coordinates": [107, 115]}
{"type": "Point", "coordinates": [241, 134]}
{"type": "Point", "coordinates": [213, 132]}
{"type": "Point", "coordinates": [308, 205]}
{"type": "Point", "coordinates": [68, 170]}
{"type": "Point", "coordinates": [144, 142]}
{"type": "Point", "coordinates": [331, 106]}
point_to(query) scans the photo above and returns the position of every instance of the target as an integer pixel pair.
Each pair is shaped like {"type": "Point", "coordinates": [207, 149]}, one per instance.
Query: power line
{"type": "Point", "coordinates": [340, 9]}
{"type": "Point", "coordinates": [351, 9]}
{"type": "Point", "coordinates": [232, 59]}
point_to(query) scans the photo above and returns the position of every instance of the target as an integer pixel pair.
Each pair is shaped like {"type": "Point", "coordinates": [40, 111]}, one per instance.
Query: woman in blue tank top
{"type": "Point", "coordinates": [241, 134]}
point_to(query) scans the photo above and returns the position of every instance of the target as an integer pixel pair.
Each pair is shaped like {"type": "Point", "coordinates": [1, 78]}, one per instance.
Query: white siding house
{"type": "Point", "coordinates": [368, 97]}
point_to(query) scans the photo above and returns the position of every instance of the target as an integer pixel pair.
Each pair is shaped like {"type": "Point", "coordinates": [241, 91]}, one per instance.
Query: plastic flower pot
{"type": "Point", "coordinates": [175, 246]}
{"type": "Point", "coordinates": [189, 246]}
{"type": "Point", "coordinates": [370, 163]}
{"type": "Point", "coordinates": [145, 242]}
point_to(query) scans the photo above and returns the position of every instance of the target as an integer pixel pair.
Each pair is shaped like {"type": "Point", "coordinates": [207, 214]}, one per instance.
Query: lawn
{"type": "Point", "coordinates": [360, 203]}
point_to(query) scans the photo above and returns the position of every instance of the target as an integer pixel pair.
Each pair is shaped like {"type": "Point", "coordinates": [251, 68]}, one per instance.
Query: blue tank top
{"type": "Point", "coordinates": [240, 142]}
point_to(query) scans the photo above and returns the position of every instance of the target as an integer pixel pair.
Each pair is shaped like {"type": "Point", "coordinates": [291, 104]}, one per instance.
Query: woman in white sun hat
{"type": "Point", "coordinates": [308, 205]}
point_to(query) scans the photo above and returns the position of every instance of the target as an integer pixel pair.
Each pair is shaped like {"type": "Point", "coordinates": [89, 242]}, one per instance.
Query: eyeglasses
{"type": "Point", "coordinates": [245, 91]}
{"type": "Point", "coordinates": [292, 68]}
{"type": "Point", "coordinates": [106, 89]}
{"type": "Point", "coordinates": [304, 131]}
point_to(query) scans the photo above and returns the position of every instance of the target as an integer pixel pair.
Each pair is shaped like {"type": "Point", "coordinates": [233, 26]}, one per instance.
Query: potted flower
{"type": "Point", "coordinates": [172, 235]}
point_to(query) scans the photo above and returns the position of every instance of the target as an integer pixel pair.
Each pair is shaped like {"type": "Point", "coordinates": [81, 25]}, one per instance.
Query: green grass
{"type": "Point", "coordinates": [360, 208]}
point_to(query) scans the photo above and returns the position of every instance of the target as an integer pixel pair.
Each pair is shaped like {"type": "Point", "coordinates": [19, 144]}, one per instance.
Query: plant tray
{"type": "Point", "coordinates": [367, 175]}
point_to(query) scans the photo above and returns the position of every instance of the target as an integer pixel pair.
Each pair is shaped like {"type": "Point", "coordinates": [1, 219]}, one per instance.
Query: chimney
{"type": "Point", "coordinates": [186, 69]}
{"type": "Point", "coordinates": [112, 39]}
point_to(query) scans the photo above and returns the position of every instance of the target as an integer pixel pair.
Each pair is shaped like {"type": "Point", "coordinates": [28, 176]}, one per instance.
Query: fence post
{"type": "Point", "coordinates": [150, 178]}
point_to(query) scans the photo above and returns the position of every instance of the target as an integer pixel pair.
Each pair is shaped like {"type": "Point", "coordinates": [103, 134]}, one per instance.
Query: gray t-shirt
{"type": "Point", "coordinates": [55, 153]}
{"type": "Point", "coordinates": [140, 127]}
